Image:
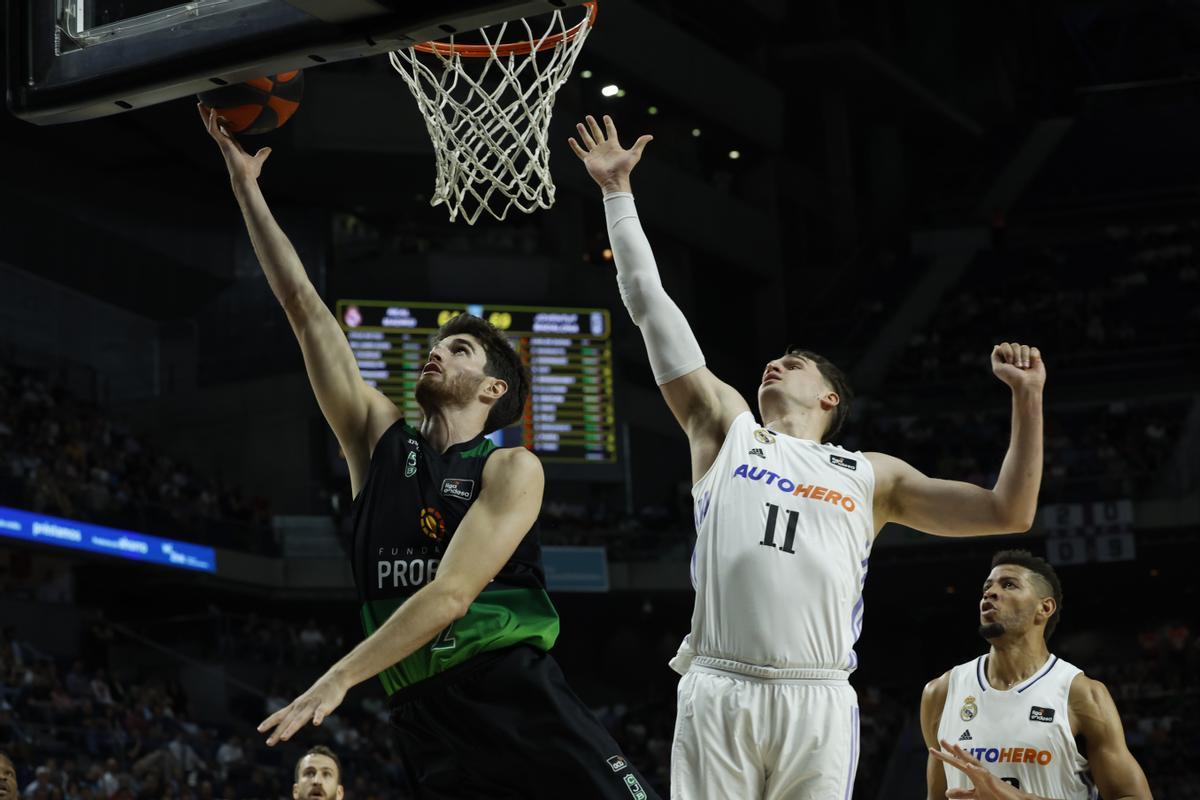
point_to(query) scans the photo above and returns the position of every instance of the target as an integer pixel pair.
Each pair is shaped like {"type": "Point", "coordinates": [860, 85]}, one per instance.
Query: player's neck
{"type": "Point", "coordinates": [1012, 662]}
{"type": "Point", "coordinates": [801, 423]}
{"type": "Point", "coordinates": [445, 427]}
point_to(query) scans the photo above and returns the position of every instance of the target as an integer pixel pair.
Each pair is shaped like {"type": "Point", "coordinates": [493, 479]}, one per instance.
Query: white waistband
{"type": "Point", "coordinates": [756, 672]}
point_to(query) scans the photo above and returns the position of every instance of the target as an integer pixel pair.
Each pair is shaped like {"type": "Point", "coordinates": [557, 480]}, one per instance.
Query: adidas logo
{"type": "Point", "coordinates": [966, 737]}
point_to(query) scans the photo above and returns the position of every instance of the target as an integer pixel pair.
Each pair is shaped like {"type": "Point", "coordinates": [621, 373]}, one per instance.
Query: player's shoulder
{"type": "Point", "coordinates": [935, 691]}
{"type": "Point", "coordinates": [1093, 712]}
{"type": "Point", "coordinates": [933, 700]}
{"type": "Point", "coordinates": [511, 472]}
{"type": "Point", "coordinates": [1088, 693]}
{"type": "Point", "coordinates": [885, 465]}
{"type": "Point", "coordinates": [517, 462]}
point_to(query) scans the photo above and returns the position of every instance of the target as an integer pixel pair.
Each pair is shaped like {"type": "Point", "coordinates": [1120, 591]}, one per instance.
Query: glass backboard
{"type": "Point", "coordinates": [72, 60]}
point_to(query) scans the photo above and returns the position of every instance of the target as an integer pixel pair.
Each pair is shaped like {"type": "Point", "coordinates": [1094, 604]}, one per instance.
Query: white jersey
{"type": "Point", "coordinates": [784, 530]}
{"type": "Point", "coordinates": [1022, 735]}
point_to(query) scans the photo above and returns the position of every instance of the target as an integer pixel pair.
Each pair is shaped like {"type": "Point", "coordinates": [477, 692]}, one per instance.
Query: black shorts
{"type": "Point", "coordinates": [506, 725]}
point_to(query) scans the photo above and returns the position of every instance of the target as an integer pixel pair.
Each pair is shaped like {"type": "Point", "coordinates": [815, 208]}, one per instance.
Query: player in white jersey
{"type": "Point", "coordinates": [785, 523]}
{"type": "Point", "coordinates": [1007, 721]}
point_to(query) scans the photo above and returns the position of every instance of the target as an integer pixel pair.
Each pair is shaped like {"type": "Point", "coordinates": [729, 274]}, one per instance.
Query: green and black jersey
{"type": "Point", "coordinates": [404, 517]}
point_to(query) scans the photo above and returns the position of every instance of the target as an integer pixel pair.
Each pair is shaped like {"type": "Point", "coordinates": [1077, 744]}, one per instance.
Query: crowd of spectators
{"type": "Point", "coordinates": [1102, 451]}
{"type": "Point", "coordinates": [1158, 694]}
{"type": "Point", "coordinates": [654, 531]}
{"type": "Point", "coordinates": [1127, 298]}
{"type": "Point", "coordinates": [223, 636]}
{"type": "Point", "coordinates": [62, 456]}
{"type": "Point", "coordinates": [85, 733]}
{"type": "Point", "coordinates": [80, 732]}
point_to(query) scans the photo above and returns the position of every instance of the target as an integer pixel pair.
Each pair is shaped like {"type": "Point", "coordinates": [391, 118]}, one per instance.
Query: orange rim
{"type": "Point", "coordinates": [514, 49]}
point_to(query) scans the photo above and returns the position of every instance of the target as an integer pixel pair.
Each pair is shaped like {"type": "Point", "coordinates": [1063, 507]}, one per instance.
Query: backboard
{"type": "Point", "coordinates": [70, 60]}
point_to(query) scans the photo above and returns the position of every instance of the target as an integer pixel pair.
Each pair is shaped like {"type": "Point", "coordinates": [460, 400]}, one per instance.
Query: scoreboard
{"type": "Point", "coordinates": [569, 414]}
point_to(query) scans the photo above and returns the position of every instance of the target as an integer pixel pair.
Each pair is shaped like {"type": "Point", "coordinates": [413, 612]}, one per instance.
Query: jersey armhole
{"type": "Point", "coordinates": [736, 421]}
{"type": "Point", "coordinates": [401, 422]}
{"type": "Point", "coordinates": [874, 484]}
{"type": "Point", "coordinates": [946, 700]}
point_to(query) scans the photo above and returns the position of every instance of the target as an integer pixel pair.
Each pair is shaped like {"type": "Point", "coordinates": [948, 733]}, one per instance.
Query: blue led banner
{"type": "Point", "coordinates": [42, 529]}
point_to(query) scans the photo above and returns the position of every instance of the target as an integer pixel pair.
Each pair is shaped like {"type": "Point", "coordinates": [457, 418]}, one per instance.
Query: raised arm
{"type": "Point", "coordinates": [489, 534]}
{"type": "Point", "coordinates": [1094, 716]}
{"type": "Point", "coordinates": [933, 700]}
{"type": "Point", "coordinates": [906, 496]}
{"type": "Point", "coordinates": [703, 405]}
{"type": "Point", "coordinates": [357, 413]}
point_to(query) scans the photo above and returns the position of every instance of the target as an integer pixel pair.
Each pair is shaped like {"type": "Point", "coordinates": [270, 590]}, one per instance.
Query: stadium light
{"type": "Point", "coordinates": [610, 90]}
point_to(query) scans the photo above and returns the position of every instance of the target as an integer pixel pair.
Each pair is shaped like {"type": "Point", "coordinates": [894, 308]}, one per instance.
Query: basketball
{"type": "Point", "coordinates": [257, 106]}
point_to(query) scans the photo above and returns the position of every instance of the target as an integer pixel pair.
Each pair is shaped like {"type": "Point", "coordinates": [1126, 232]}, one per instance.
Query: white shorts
{"type": "Point", "coordinates": [751, 739]}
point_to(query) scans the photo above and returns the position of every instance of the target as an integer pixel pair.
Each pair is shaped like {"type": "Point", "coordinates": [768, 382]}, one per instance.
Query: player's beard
{"type": "Point", "coordinates": [452, 392]}
{"type": "Point", "coordinates": [992, 630]}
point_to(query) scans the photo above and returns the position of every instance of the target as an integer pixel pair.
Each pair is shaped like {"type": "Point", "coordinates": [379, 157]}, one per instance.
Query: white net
{"type": "Point", "coordinates": [488, 113]}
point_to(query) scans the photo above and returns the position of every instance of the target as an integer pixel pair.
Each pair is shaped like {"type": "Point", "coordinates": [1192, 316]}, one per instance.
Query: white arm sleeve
{"type": "Point", "coordinates": [673, 349]}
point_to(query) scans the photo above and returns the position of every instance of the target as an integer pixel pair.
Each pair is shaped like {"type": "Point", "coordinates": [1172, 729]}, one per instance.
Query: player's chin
{"type": "Point", "coordinates": [991, 630]}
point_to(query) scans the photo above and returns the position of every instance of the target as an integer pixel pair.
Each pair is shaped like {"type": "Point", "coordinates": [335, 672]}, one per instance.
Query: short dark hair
{"type": "Point", "coordinates": [837, 380]}
{"type": "Point", "coordinates": [503, 362]}
{"type": "Point", "coordinates": [320, 750]}
{"type": "Point", "coordinates": [1040, 567]}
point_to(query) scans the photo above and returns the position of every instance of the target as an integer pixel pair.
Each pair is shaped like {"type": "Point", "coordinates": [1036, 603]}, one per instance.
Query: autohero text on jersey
{"type": "Point", "coordinates": [1012, 755]}
{"type": "Point", "coordinates": [795, 488]}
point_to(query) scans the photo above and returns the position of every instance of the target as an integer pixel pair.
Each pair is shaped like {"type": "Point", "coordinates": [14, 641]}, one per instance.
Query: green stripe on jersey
{"type": "Point", "coordinates": [481, 449]}
{"type": "Point", "coordinates": [496, 619]}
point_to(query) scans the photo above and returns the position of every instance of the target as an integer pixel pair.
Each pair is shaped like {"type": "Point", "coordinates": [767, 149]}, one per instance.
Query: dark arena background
{"type": "Point", "coordinates": [898, 186]}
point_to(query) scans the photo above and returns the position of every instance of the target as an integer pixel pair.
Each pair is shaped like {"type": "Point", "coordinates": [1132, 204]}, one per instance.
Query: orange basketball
{"type": "Point", "coordinates": [257, 106]}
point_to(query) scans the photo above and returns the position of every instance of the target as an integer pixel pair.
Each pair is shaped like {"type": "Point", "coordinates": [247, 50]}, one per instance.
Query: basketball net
{"type": "Point", "coordinates": [487, 108]}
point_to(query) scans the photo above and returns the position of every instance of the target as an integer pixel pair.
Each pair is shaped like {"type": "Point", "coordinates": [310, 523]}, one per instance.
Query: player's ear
{"type": "Point", "coordinates": [341, 792]}
{"type": "Point", "coordinates": [1047, 608]}
{"type": "Point", "coordinates": [830, 400]}
{"type": "Point", "coordinates": [296, 792]}
{"type": "Point", "coordinates": [496, 388]}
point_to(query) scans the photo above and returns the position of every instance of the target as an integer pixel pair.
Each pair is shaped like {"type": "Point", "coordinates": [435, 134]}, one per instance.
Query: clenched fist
{"type": "Point", "coordinates": [1019, 365]}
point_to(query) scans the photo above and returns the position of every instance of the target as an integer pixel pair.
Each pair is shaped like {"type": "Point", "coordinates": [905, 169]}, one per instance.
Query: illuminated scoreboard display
{"type": "Point", "coordinates": [569, 415]}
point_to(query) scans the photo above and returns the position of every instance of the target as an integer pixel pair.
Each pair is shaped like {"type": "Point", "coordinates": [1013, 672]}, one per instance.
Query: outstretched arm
{"type": "Point", "coordinates": [357, 413]}
{"type": "Point", "coordinates": [953, 508]}
{"type": "Point", "coordinates": [485, 540]}
{"type": "Point", "coordinates": [703, 405]}
{"type": "Point", "coordinates": [1094, 716]}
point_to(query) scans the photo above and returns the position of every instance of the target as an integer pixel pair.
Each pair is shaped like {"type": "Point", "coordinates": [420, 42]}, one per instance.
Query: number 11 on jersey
{"type": "Point", "coordinates": [789, 536]}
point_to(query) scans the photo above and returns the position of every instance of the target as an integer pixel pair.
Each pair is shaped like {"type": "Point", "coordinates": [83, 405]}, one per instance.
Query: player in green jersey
{"type": "Point", "coordinates": [445, 554]}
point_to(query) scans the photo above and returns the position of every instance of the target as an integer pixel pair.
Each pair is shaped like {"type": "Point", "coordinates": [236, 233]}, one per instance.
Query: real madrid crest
{"type": "Point", "coordinates": [764, 436]}
{"type": "Point", "coordinates": [968, 710]}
